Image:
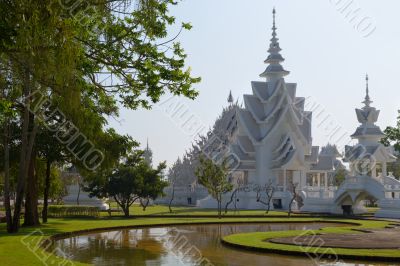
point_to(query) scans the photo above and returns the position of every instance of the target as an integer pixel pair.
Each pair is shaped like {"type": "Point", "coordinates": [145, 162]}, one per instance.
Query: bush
{"type": "Point", "coordinates": [72, 211]}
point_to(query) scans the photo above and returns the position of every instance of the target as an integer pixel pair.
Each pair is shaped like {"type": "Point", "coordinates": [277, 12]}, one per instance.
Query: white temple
{"type": "Point", "coordinates": [273, 143]}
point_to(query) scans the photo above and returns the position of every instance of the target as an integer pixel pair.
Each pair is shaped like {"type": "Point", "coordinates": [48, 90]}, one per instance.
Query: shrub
{"type": "Point", "coordinates": [72, 211]}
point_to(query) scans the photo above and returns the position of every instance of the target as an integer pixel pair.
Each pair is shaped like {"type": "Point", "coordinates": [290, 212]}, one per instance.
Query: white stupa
{"type": "Point", "coordinates": [368, 172]}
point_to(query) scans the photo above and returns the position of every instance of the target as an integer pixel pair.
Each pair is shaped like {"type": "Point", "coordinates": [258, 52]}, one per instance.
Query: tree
{"type": "Point", "coordinates": [174, 175]}
{"type": "Point", "coordinates": [339, 176]}
{"type": "Point", "coordinates": [51, 151]}
{"type": "Point", "coordinates": [269, 190]}
{"type": "Point", "coordinates": [392, 135]}
{"type": "Point", "coordinates": [121, 187]}
{"type": "Point", "coordinates": [394, 168]}
{"type": "Point", "coordinates": [214, 177]}
{"type": "Point", "coordinates": [131, 179]}
{"type": "Point", "coordinates": [172, 184]}
{"type": "Point", "coordinates": [151, 184]}
{"type": "Point", "coordinates": [233, 198]}
{"type": "Point", "coordinates": [292, 189]}
{"type": "Point", "coordinates": [86, 58]}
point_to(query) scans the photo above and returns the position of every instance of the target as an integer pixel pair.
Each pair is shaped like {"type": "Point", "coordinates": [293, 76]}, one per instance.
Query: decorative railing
{"type": "Point", "coordinates": [320, 192]}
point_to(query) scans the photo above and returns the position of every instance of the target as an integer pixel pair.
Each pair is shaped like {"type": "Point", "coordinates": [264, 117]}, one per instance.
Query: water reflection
{"type": "Point", "coordinates": [181, 245]}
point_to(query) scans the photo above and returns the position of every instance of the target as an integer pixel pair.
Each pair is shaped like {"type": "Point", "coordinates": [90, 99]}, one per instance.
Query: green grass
{"type": "Point", "coordinates": [13, 251]}
{"type": "Point", "coordinates": [258, 241]}
{"type": "Point", "coordinates": [163, 210]}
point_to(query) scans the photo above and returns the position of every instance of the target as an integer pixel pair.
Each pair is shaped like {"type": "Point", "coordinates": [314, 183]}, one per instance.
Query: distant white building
{"type": "Point", "coordinates": [75, 193]}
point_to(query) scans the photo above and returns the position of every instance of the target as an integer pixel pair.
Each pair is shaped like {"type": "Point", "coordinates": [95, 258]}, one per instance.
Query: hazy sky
{"type": "Point", "coordinates": [326, 51]}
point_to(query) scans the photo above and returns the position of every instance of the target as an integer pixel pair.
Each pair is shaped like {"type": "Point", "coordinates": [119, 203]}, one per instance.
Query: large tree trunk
{"type": "Point", "coordinates": [31, 217]}
{"type": "Point", "coordinates": [7, 204]}
{"type": "Point", "coordinates": [26, 150]}
{"type": "Point", "coordinates": [22, 160]}
{"type": "Point", "coordinates": [126, 210]}
{"type": "Point", "coordinates": [46, 192]}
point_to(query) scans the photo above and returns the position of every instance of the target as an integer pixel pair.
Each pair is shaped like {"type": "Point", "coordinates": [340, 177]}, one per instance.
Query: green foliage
{"type": "Point", "coordinates": [214, 177]}
{"type": "Point", "coordinates": [58, 186]}
{"type": "Point", "coordinates": [88, 58]}
{"type": "Point", "coordinates": [151, 184]}
{"type": "Point", "coordinates": [394, 168]}
{"type": "Point", "coordinates": [392, 135]}
{"type": "Point", "coordinates": [131, 179]}
{"type": "Point", "coordinates": [339, 176]}
{"type": "Point", "coordinates": [135, 55]}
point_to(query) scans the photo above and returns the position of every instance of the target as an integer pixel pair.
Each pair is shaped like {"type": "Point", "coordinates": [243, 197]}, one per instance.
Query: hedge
{"type": "Point", "coordinates": [72, 211]}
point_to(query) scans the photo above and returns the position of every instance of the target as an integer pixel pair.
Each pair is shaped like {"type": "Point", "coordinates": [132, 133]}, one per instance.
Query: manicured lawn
{"type": "Point", "coordinates": [20, 249]}
{"type": "Point", "coordinates": [163, 210]}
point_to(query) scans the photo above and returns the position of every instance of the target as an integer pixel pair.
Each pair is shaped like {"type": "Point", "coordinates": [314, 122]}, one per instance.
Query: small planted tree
{"type": "Point", "coordinates": [172, 184]}
{"type": "Point", "coordinates": [173, 175]}
{"type": "Point", "coordinates": [132, 179]}
{"type": "Point", "coordinates": [214, 178]}
{"type": "Point", "coordinates": [151, 184]}
{"type": "Point", "coordinates": [292, 188]}
{"type": "Point", "coordinates": [234, 194]}
{"type": "Point", "coordinates": [232, 200]}
{"type": "Point", "coordinates": [269, 190]}
{"type": "Point", "coordinates": [121, 187]}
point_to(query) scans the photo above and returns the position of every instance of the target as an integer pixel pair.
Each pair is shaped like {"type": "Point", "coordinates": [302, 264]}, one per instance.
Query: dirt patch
{"type": "Point", "coordinates": [372, 239]}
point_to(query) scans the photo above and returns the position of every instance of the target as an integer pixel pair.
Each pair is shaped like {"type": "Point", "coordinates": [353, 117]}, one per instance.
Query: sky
{"type": "Point", "coordinates": [329, 46]}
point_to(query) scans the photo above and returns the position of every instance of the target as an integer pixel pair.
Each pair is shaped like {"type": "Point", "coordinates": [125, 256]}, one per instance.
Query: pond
{"type": "Point", "coordinates": [180, 245]}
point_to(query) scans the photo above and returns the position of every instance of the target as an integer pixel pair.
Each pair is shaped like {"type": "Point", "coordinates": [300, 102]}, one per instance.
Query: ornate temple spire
{"type": "Point", "coordinates": [230, 98]}
{"type": "Point", "coordinates": [367, 101]}
{"type": "Point", "coordinates": [367, 116]}
{"type": "Point", "coordinates": [274, 69]}
{"type": "Point", "coordinates": [148, 154]}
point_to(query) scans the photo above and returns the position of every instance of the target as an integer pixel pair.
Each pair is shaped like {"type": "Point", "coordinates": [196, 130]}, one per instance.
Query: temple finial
{"type": "Point", "coordinates": [230, 97]}
{"type": "Point", "coordinates": [275, 69]}
{"type": "Point", "coordinates": [367, 100]}
{"type": "Point", "coordinates": [273, 20]}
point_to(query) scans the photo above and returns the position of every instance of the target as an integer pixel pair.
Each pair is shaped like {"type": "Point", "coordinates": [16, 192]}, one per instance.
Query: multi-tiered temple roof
{"type": "Point", "coordinates": [272, 103]}
{"type": "Point", "coordinates": [367, 116]}
{"type": "Point", "coordinates": [368, 135]}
